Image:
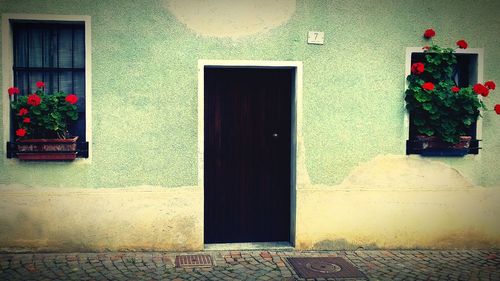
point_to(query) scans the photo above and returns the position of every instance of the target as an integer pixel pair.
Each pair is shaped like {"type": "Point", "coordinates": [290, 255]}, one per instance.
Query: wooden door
{"type": "Point", "coordinates": [247, 154]}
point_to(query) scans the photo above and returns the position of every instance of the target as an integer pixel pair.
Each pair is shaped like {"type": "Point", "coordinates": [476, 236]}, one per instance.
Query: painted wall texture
{"type": "Point", "coordinates": [140, 189]}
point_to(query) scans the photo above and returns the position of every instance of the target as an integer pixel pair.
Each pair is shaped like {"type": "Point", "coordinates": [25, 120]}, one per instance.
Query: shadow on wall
{"type": "Point", "coordinates": [342, 244]}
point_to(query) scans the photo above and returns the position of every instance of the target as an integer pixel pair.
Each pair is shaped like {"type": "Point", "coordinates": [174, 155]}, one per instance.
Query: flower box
{"type": "Point", "coordinates": [434, 146]}
{"type": "Point", "coordinates": [47, 149]}
{"type": "Point", "coordinates": [442, 105]}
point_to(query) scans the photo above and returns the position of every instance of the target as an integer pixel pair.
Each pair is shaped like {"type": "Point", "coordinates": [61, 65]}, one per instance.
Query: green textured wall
{"type": "Point", "coordinates": [144, 92]}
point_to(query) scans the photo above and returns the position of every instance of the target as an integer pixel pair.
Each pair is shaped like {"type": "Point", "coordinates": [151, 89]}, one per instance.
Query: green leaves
{"type": "Point", "coordinates": [47, 120]}
{"type": "Point", "coordinates": [419, 121]}
{"type": "Point", "coordinates": [440, 112]}
{"type": "Point", "coordinates": [422, 96]}
{"type": "Point", "coordinates": [467, 121]}
{"type": "Point", "coordinates": [36, 110]}
{"type": "Point", "coordinates": [429, 107]}
{"type": "Point", "coordinates": [426, 131]}
{"type": "Point", "coordinates": [73, 115]}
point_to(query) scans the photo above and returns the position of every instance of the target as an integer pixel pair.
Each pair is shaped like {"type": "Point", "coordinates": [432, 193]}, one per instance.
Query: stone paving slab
{"type": "Point", "coordinates": [250, 265]}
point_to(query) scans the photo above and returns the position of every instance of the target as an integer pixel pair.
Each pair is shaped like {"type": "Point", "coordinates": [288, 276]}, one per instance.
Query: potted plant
{"type": "Point", "coordinates": [441, 113]}
{"type": "Point", "coordinates": [42, 124]}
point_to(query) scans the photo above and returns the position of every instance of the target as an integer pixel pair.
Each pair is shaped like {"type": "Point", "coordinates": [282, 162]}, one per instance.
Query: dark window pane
{"type": "Point", "coordinates": [79, 47]}
{"type": "Point", "coordinates": [78, 128]}
{"type": "Point", "coordinates": [21, 78]}
{"type": "Point", "coordinates": [52, 82]}
{"type": "Point", "coordinates": [20, 47]}
{"type": "Point", "coordinates": [79, 89]}
{"type": "Point", "coordinates": [65, 47]}
{"type": "Point", "coordinates": [35, 47]}
{"type": "Point", "coordinates": [34, 76]}
{"type": "Point", "coordinates": [66, 82]}
{"type": "Point", "coordinates": [53, 53]}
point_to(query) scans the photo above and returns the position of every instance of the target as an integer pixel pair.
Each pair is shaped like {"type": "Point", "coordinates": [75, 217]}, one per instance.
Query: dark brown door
{"type": "Point", "coordinates": [247, 154]}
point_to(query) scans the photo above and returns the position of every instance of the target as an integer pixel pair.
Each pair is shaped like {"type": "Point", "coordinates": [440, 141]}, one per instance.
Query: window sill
{"type": "Point", "coordinates": [415, 146]}
{"type": "Point", "coordinates": [82, 151]}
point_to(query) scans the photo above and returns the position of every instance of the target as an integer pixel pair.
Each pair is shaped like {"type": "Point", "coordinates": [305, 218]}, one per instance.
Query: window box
{"type": "Point", "coordinates": [47, 149]}
{"type": "Point", "coordinates": [16, 149]}
{"type": "Point", "coordinates": [467, 71]}
{"type": "Point", "coordinates": [433, 146]}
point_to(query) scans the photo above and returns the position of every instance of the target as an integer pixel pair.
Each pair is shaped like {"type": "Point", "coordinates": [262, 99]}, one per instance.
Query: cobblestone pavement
{"type": "Point", "coordinates": [249, 265]}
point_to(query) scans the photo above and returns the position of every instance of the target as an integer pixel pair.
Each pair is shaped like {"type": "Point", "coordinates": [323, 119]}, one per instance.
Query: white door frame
{"type": "Point", "coordinates": [296, 125]}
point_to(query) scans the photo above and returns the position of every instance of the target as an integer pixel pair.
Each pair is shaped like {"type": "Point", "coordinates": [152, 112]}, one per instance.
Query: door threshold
{"type": "Point", "coordinates": [284, 246]}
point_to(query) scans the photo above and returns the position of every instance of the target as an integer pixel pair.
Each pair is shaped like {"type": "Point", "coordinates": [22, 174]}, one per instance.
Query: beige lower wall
{"type": "Point", "coordinates": [171, 219]}
{"type": "Point", "coordinates": [101, 219]}
{"type": "Point", "coordinates": [330, 218]}
{"type": "Point", "coordinates": [398, 201]}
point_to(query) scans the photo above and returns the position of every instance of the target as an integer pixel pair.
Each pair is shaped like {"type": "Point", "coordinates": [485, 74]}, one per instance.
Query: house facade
{"type": "Point", "coordinates": [252, 121]}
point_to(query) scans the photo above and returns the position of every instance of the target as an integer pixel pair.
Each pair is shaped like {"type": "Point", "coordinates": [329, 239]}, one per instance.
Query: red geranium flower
{"type": "Point", "coordinates": [490, 85]}
{"type": "Point", "coordinates": [26, 120]}
{"type": "Point", "coordinates": [497, 109]}
{"type": "Point", "coordinates": [22, 111]}
{"type": "Point", "coordinates": [40, 84]}
{"type": "Point", "coordinates": [429, 33]}
{"type": "Point", "coordinates": [20, 132]}
{"type": "Point", "coordinates": [72, 98]}
{"type": "Point", "coordinates": [455, 89]}
{"type": "Point", "coordinates": [428, 86]}
{"type": "Point", "coordinates": [34, 100]}
{"type": "Point", "coordinates": [417, 68]}
{"type": "Point", "coordinates": [462, 44]}
{"type": "Point", "coordinates": [480, 90]}
{"type": "Point", "coordinates": [13, 91]}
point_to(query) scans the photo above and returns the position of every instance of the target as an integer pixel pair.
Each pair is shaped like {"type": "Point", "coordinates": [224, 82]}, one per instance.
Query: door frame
{"type": "Point", "coordinates": [296, 149]}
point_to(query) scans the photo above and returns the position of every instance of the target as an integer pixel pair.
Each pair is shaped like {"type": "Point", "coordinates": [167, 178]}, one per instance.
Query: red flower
{"type": "Point", "coordinates": [40, 84]}
{"type": "Point", "coordinates": [426, 48]}
{"type": "Point", "coordinates": [26, 120]}
{"type": "Point", "coordinates": [34, 100]}
{"type": "Point", "coordinates": [20, 132]}
{"type": "Point", "coordinates": [72, 98]}
{"type": "Point", "coordinates": [428, 86]}
{"type": "Point", "coordinates": [22, 111]}
{"type": "Point", "coordinates": [462, 44]}
{"type": "Point", "coordinates": [429, 33]}
{"type": "Point", "coordinates": [497, 109]}
{"type": "Point", "coordinates": [480, 90]}
{"type": "Point", "coordinates": [417, 68]}
{"type": "Point", "coordinates": [13, 91]}
{"type": "Point", "coordinates": [455, 89]}
{"type": "Point", "coordinates": [490, 85]}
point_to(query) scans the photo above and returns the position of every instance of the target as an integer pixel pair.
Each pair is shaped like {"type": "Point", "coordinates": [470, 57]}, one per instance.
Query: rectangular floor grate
{"type": "Point", "coordinates": [324, 267]}
{"type": "Point", "coordinates": [193, 261]}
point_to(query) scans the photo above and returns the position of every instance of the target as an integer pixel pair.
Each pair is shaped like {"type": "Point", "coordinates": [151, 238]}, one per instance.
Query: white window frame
{"type": "Point", "coordinates": [480, 68]}
{"type": "Point", "coordinates": [8, 77]}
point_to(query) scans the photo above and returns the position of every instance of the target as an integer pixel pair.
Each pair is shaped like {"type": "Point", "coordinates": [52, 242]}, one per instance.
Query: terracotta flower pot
{"type": "Point", "coordinates": [434, 142]}
{"type": "Point", "coordinates": [47, 149]}
{"type": "Point", "coordinates": [433, 146]}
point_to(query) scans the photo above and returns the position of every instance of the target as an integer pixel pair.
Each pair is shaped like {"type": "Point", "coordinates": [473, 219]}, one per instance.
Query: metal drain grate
{"type": "Point", "coordinates": [325, 267]}
{"type": "Point", "coordinates": [193, 261]}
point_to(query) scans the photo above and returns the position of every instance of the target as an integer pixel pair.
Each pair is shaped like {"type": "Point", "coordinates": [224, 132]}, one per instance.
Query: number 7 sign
{"type": "Point", "coordinates": [316, 37]}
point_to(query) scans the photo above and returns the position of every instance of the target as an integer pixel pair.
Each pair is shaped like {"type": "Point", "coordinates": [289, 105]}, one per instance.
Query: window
{"type": "Point", "coordinates": [467, 72]}
{"type": "Point", "coordinates": [55, 51]}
